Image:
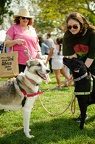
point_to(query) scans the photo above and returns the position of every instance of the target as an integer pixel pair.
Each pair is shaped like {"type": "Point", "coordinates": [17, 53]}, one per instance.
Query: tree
{"type": "Point", "coordinates": [9, 7]}
{"type": "Point", "coordinates": [4, 9]}
{"type": "Point", "coordinates": [53, 12]}
{"type": "Point", "coordinates": [49, 14]}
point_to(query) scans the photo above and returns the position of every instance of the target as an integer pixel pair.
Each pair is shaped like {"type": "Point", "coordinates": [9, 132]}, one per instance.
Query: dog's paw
{"type": "Point", "coordinates": [6, 110]}
{"type": "Point", "coordinates": [29, 130]}
{"type": "Point", "coordinates": [30, 136]}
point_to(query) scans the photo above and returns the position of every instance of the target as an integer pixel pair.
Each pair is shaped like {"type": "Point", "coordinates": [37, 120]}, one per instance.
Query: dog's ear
{"type": "Point", "coordinates": [77, 69]}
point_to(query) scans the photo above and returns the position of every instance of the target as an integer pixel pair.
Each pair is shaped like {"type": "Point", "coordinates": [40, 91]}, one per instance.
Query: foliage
{"type": "Point", "coordinates": [50, 14]}
{"type": "Point", "coordinates": [4, 9]}
{"type": "Point", "coordinates": [53, 12]}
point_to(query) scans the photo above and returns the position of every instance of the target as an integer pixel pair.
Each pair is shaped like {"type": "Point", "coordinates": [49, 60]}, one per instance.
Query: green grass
{"type": "Point", "coordinates": [49, 129]}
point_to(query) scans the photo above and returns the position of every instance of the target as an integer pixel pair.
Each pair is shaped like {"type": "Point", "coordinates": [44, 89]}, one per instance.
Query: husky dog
{"type": "Point", "coordinates": [21, 92]}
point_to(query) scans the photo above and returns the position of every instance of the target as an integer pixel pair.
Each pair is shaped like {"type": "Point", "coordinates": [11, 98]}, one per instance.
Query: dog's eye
{"type": "Point", "coordinates": [38, 64]}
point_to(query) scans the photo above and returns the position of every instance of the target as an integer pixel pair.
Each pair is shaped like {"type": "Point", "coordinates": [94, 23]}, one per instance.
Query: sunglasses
{"type": "Point", "coordinates": [25, 18]}
{"type": "Point", "coordinates": [74, 27]}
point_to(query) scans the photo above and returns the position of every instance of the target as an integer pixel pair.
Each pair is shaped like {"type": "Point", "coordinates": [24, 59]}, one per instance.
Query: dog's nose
{"type": "Point", "coordinates": [47, 71]}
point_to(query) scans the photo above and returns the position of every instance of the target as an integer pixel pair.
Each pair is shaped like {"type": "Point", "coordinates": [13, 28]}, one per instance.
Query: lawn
{"type": "Point", "coordinates": [49, 129]}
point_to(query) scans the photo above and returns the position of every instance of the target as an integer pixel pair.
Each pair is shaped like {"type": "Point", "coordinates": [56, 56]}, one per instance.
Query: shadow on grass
{"type": "Point", "coordinates": [91, 119]}
{"type": "Point", "coordinates": [58, 129]}
{"type": "Point", "coordinates": [2, 112]}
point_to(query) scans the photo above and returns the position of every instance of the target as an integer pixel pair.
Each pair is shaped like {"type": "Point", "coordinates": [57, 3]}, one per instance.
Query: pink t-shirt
{"type": "Point", "coordinates": [30, 36]}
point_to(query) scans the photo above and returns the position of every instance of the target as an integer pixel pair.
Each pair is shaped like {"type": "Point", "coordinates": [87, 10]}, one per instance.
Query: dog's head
{"type": "Point", "coordinates": [36, 69]}
{"type": "Point", "coordinates": [75, 65]}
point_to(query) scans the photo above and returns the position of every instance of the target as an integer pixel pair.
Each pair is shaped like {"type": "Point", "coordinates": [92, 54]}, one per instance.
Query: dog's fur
{"type": "Point", "coordinates": [82, 85]}
{"type": "Point", "coordinates": [12, 97]}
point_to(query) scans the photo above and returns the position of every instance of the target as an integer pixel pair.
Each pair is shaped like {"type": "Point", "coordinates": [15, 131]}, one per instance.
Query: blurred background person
{"type": "Point", "coordinates": [43, 46]}
{"type": "Point", "coordinates": [49, 41]}
{"type": "Point", "coordinates": [57, 61]}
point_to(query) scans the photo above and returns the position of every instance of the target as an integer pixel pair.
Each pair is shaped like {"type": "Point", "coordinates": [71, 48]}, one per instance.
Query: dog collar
{"type": "Point", "coordinates": [81, 77]}
{"type": "Point", "coordinates": [32, 81]}
{"type": "Point", "coordinates": [31, 95]}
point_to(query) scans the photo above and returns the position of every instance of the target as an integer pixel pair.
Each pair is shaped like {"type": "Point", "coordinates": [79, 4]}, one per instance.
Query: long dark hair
{"type": "Point", "coordinates": [59, 42]}
{"type": "Point", "coordinates": [84, 25]}
{"type": "Point", "coordinates": [40, 40]}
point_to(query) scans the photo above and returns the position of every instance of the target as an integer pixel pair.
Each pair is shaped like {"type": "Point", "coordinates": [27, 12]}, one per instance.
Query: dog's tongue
{"type": "Point", "coordinates": [43, 76]}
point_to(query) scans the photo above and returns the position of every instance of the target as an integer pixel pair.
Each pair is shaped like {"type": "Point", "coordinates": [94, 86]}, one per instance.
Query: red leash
{"type": "Point", "coordinates": [40, 92]}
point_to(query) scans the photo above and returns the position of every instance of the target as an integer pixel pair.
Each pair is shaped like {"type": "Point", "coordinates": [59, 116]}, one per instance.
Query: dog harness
{"type": "Point", "coordinates": [31, 95]}
{"type": "Point", "coordinates": [83, 93]}
{"type": "Point", "coordinates": [25, 93]}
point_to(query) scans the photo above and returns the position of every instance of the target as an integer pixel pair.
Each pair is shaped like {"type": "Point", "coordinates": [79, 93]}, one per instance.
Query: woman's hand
{"type": "Point", "coordinates": [20, 41]}
{"type": "Point", "coordinates": [9, 42]}
{"type": "Point", "coordinates": [73, 56]}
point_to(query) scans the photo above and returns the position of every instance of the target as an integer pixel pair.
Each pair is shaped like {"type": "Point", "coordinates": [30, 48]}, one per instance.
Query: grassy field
{"type": "Point", "coordinates": [47, 129]}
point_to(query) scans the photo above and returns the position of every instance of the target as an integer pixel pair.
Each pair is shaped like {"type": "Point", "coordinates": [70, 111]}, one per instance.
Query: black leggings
{"type": "Point", "coordinates": [21, 68]}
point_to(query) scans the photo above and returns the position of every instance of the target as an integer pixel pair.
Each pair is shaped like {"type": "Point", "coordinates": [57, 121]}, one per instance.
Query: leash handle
{"type": "Point", "coordinates": [26, 51]}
